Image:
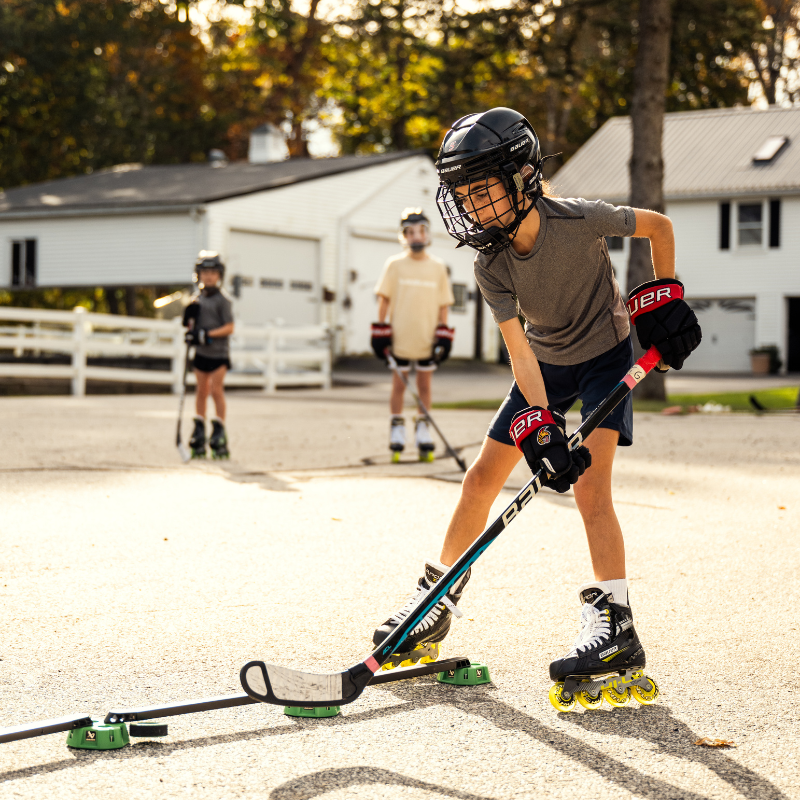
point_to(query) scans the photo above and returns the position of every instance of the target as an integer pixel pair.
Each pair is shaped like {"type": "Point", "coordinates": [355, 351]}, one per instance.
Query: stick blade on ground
{"type": "Point", "coordinates": [270, 683]}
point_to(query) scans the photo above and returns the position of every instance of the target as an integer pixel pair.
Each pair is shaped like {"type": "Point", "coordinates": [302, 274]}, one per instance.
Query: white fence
{"type": "Point", "coordinates": [261, 357]}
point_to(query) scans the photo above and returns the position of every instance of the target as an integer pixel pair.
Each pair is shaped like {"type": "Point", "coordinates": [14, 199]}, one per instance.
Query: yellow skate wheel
{"type": "Point", "coordinates": [426, 455]}
{"type": "Point", "coordinates": [433, 654]}
{"type": "Point", "coordinates": [396, 457]}
{"type": "Point", "coordinates": [589, 700]}
{"type": "Point", "coordinates": [560, 703]}
{"type": "Point", "coordinates": [646, 696]}
{"type": "Point", "coordinates": [617, 698]}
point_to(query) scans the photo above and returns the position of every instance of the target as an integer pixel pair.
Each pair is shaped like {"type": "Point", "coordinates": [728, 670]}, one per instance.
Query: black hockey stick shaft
{"type": "Point", "coordinates": [393, 364]}
{"type": "Point", "coordinates": [271, 683]}
{"type": "Point", "coordinates": [182, 397]}
{"type": "Point", "coordinates": [390, 645]}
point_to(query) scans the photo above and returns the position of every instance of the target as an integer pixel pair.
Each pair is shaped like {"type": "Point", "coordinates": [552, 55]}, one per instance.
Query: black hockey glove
{"type": "Point", "coordinates": [443, 343]}
{"type": "Point", "coordinates": [191, 314]}
{"type": "Point", "coordinates": [381, 339]}
{"type": "Point", "coordinates": [663, 318]}
{"type": "Point", "coordinates": [197, 336]}
{"type": "Point", "coordinates": [540, 434]}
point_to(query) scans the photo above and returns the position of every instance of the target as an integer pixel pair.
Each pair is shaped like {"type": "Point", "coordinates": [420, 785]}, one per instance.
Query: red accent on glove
{"type": "Point", "coordinates": [443, 332]}
{"type": "Point", "coordinates": [653, 294]}
{"type": "Point", "coordinates": [525, 424]}
{"type": "Point", "coordinates": [381, 329]}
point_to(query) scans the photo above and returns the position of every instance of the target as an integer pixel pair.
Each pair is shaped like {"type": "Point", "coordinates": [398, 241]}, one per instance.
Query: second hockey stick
{"type": "Point", "coordinates": [270, 683]}
{"type": "Point", "coordinates": [182, 449]}
{"type": "Point", "coordinates": [393, 364]}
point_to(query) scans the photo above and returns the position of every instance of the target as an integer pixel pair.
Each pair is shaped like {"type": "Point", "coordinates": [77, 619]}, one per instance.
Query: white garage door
{"type": "Point", "coordinates": [729, 333]}
{"type": "Point", "coordinates": [277, 276]}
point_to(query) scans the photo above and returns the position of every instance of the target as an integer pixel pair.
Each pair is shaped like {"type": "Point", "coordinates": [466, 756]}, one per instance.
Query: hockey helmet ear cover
{"type": "Point", "coordinates": [664, 319]}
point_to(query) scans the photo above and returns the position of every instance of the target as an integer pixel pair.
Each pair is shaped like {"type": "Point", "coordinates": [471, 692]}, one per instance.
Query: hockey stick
{"type": "Point", "coordinates": [393, 364]}
{"type": "Point", "coordinates": [270, 683]}
{"type": "Point", "coordinates": [182, 449]}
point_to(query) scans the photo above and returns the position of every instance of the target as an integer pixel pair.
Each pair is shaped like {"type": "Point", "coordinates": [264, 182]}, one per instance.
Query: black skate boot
{"type": "Point", "coordinates": [422, 643]}
{"type": "Point", "coordinates": [219, 440]}
{"type": "Point", "coordinates": [198, 440]}
{"type": "Point", "coordinates": [607, 659]}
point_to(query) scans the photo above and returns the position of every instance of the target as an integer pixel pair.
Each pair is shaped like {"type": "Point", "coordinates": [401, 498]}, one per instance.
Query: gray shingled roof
{"type": "Point", "coordinates": [134, 186]}
{"type": "Point", "coordinates": [706, 154]}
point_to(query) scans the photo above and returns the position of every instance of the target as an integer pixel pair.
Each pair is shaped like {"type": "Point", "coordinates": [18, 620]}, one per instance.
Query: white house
{"type": "Point", "coordinates": [732, 190]}
{"type": "Point", "coordinates": [304, 240]}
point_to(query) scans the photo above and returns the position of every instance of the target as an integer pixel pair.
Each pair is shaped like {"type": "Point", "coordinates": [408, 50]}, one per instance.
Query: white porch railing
{"type": "Point", "coordinates": [261, 357]}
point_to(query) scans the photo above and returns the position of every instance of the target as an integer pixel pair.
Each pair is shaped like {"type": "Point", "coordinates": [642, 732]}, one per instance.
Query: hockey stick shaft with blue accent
{"type": "Point", "coordinates": [270, 683]}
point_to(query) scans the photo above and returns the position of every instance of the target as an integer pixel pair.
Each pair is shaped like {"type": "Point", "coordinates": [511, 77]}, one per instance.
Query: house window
{"type": "Point", "coordinates": [23, 263]}
{"type": "Point", "coordinates": [750, 224]}
{"type": "Point", "coordinates": [615, 242]}
{"type": "Point", "coordinates": [461, 295]}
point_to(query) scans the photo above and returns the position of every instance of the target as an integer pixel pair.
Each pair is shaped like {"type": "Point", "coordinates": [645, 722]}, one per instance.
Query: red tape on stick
{"type": "Point", "coordinates": [649, 359]}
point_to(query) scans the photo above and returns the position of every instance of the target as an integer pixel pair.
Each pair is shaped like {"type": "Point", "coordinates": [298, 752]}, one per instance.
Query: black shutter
{"type": "Point", "coordinates": [30, 262]}
{"type": "Point", "coordinates": [724, 226]}
{"type": "Point", "coordinates": [16, 263]}
{"type": "Point", "coordinates": [774, 223]}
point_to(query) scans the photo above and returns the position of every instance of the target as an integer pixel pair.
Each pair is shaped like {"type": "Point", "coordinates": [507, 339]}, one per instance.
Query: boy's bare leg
{"type": "Point", "coordinates": [218, 392]}
{"type": "Point", "coordinates": [201, 394]}
{"type": "Point", "coordinates": [424, 388]}
{"type": "Point", "coordinates": [593, 496]}
{"type": "Point", "coordinates": [482, 483]}
{"type": "Point", "coordinates": [398, 390]}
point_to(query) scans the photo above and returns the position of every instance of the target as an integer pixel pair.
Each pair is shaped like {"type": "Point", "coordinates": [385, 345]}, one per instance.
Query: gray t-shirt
{"type": "Point", "coordinates": [565, 287]}
{"type": "Point", "coordinates": [216, 310]}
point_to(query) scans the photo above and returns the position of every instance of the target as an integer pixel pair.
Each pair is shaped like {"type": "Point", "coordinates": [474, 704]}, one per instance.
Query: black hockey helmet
{"type": "Point", "coordinates": [478, 152]}
{"type": "Point", "coordinates": [414, 216]}
{"type": "Point", "coordinates": [208, 259]}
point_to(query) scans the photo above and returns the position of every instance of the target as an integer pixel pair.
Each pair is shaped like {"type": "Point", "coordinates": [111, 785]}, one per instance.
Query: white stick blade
{"type": "Point", "coordinates": [184, 453]}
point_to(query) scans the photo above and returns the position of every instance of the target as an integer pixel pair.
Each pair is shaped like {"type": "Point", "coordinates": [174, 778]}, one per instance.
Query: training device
{"type": "Point", "coordinates": [393, 365]}
{"type": "Point", "coordinates": [490, 177]}
{"type": "Point", "coordinates": [271, 683]}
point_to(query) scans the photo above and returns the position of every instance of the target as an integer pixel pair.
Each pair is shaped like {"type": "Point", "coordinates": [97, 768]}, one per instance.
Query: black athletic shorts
{"type": "Point", "coordinates": [589, 381]}
{"type": "Point", "coordinates": [206, 364]}
{"type": "Point", "coordinates": [420, 364]}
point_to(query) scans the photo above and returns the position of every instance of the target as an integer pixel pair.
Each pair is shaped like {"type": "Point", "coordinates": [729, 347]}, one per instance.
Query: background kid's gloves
{"type": "Point", "coordinates": [443, 343]}
{"type": "Point", "coordinates": [381, 338]}
{"type": "Point", "coordinates": [663, 318]}
{"type": "Point", "coordinates": [539, 433]}
{"type": "Point", "coordinates": [197, 336]}
{"type": "Point", "coordinates": [191, 314]}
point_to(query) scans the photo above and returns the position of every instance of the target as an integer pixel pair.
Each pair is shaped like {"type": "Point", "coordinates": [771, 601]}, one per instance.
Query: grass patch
{"type": "Point", "coordinates": [785, 397]}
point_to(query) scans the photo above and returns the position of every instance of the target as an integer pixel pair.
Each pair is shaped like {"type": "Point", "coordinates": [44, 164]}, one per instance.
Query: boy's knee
{"type": "Point", "coordinates": [479, 480]}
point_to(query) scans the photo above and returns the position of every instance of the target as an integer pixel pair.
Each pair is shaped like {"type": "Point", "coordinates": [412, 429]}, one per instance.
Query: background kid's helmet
{"type": "Point", "coordinates": [414, 216]}
{"type": "Point", "coordinates": [208, 259]}
{"type": "Point", "coordinates": [477, 151]}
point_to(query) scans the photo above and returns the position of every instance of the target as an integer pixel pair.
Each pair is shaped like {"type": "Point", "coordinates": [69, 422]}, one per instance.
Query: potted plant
{"type": "Point", "coordinates": [765, 360]}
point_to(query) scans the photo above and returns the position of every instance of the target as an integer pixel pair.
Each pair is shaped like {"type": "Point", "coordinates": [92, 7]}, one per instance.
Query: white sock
{"type": "Point", "coordinates": [618, 589]}
{"type": "Point", "coordinates": [438, 564]}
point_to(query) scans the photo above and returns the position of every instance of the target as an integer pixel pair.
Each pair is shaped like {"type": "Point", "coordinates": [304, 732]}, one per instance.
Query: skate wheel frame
{"type": "Point", "coordinates": [476, 674]}
{"type": "Point", "coordinates": [395, 457]}
{"type": "Point", "coordinates": [616, 690]}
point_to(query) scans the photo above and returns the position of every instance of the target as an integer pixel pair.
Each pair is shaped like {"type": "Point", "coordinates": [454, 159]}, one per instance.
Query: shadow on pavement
{"type": "Point", "coordinates": [653, 724]}
{"type": "Point", "coordinates": [327, 780]}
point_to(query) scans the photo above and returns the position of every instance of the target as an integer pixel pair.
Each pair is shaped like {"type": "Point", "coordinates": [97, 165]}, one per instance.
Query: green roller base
{"type": "Point", "coordinates": [473, 675]}
{"type": "Point", "coordinates": [323, 711]}
{"type": "Point", "coordinates": [99, 736]}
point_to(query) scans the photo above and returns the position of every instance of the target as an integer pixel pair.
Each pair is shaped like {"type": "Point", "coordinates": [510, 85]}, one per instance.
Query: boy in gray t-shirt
{"type": "Point", "coordinates": [545, 259]}
{"type": "Point", "coordinates": [209, 320]}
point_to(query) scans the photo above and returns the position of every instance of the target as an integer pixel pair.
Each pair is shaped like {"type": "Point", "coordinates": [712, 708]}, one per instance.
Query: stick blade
{"type": "Point", "coordinates": [282, 686]}
{"type": "Point", "coordinates": [184, 453]}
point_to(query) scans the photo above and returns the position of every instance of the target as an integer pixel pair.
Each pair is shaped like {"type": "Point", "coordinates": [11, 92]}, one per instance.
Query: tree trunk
{"type": "Point", "coordinates": [647, 163]}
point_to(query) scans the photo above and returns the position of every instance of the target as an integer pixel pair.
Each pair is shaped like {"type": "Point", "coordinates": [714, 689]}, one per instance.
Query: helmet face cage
{"type": "Point", "coordinates": [414, 216]}
{"type": "Point", "coordinates": [460, 203]}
